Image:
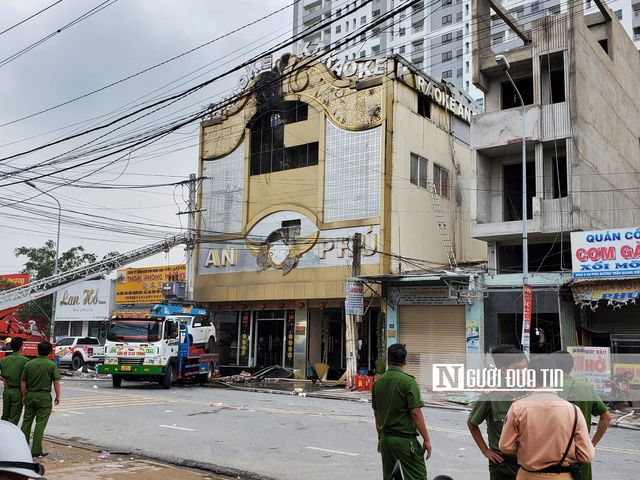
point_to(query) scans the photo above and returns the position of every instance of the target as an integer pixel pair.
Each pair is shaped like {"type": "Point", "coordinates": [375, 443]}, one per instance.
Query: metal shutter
{"type": "Point", "coordinates": [432, 334]}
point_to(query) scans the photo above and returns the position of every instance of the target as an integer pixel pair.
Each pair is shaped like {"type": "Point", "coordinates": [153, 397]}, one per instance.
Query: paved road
{"type": "Point", "coordinates": [276, 436]}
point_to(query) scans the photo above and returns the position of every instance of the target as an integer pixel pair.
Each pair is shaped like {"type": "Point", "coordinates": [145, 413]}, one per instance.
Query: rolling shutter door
{"type": "Point", "coordinates": [432, 334]}
{"type": "Point", "coordinates": [620, 320]}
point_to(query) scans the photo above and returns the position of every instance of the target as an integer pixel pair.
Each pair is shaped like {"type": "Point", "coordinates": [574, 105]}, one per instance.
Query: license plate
{"type": "Point", "coordinates": [125, 368]}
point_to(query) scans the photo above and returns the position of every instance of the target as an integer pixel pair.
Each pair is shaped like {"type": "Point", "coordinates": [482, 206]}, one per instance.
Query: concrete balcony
{"type": "Point", "coordinates": [496, 129]}
{"type": "Point", "coordinates": [504, 127]}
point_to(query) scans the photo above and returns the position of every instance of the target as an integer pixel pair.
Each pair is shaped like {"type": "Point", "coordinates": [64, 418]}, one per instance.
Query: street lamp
{"type": "Point", "coordinates": [55, 268]}
{"type": "Point", "coordinates": [503, 63]}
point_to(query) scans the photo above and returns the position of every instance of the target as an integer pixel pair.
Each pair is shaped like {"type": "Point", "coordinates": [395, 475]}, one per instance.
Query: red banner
{"type": "Point", "coordinates": [526, 318]}
{"type": "Point", "coordinates": [18, 279]}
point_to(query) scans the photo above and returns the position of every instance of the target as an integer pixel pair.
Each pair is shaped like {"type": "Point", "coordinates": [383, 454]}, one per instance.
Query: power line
{"type": "Point", "coordinates": [91, 12]}
{"type": "Point", "coordinates": [29, 18]}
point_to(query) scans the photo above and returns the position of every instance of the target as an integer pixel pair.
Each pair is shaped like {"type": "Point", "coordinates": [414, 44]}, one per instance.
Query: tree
{"type": "Point", "coordinates": [41, 264]}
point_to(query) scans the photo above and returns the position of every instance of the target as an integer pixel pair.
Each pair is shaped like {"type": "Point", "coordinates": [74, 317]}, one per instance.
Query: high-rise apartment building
{"type": "Point", "coordinates": [434, 36]}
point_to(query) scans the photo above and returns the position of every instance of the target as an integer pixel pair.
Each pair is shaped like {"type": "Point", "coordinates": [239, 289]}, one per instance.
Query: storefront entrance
{"type": "Point", "coordinates": [269, 342]}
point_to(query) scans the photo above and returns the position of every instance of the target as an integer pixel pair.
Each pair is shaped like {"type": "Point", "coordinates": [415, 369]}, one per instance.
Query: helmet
{"type": "Point", "coordinates": [15, 454]}
{"type": "Point", "coordinates": [7, 341]}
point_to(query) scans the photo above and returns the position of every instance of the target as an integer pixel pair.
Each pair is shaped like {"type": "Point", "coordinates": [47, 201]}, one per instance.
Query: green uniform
{"type": "Point", "coordinates": [38, 374]}
{"type": "Point", "coordinates": [392, 397]}
{"type": "Point", "coordinates": [11, 370]}
{"type": "Point", "coordinates": [492, 407]}
{"type": "Point", "coordinates": [584, 396]}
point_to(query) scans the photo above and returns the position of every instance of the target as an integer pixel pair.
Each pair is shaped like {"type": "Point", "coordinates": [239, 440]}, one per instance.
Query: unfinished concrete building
{"type": "Point", "coordinates": [578, 78]}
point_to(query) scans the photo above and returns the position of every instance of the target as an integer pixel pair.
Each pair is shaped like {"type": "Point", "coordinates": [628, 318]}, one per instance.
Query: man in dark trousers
{"type": "Point", "coordinates": [585, 397]}
{"type": "Point", "coordinates": [11, 372]}
{"type": "Point", "coordinates": [491, 407]}
{"type": "Point", "coordinates": [397, 404]}
{"type": "Point", "coordinates": [37, 377]}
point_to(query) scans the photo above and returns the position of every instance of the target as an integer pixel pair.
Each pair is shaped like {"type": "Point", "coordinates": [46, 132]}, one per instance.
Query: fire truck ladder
{"type": "Point", "coordinates": [444, 234]}
{"type": "Point", "coordinates": [40, 288]}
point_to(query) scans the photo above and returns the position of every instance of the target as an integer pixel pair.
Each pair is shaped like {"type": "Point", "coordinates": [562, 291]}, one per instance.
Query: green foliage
{"type": "Point", "coordinates": [41, 264]}
{"type": "Point", "coordinates": [381, 362]}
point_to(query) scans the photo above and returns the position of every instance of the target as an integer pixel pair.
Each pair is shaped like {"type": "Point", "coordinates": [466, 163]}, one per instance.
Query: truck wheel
{"type": "Point", "coordinates": [77, 362]}
{"type": "Point", "coordinates": [210, 346]}
{"type": "Point", "coordinates": [117, 381]}
{"type": "Point", "coordinates": [206, 377]}
{"type": "Point", "coordinates": [169, 377]}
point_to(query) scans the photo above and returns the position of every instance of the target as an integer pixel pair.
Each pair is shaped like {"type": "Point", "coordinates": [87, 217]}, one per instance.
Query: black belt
{"type": "Point", "coordinates": [552, 469]}
{"type": "Point", "coordinates": [399, 434]}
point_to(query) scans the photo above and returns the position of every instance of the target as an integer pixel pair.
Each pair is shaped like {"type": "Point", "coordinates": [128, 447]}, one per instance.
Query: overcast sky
{"type": "Point", "coordinates": [41, 69]}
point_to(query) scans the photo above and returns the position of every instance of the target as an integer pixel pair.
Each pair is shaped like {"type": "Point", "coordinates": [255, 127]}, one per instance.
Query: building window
{"type": "Point", "coordinates": [268, 153]}
{"type": "Point", "coordinates": [535, 6]}
{"type": "Point", "coordinates": [424, 106]}
{"type": "Point", "coordinates": [447, 74]}
{"type": "Point", "coordinates": [497, 39]}
{"type": "Point", "coordinates": [447, 37]}
{"type": "Point", "coordinates": [401, 32]}
{"type": "Point", "coordinates": [403, 14]}
{"type": "Point", "coordinates": [441, 180]}
{"type": "Point", "coordinates": [363, 20]}
{"type": "Point", "coordinates": [459, 53]}
{"type": "Point", "coordinates": [459, 17]}
{"type": "Point", "coordinates": [338, 12]}
{"type": "Point", "coordinates": [458, 34]}
{"type": "Point", "coordinates": [338, 28]}
{"type": "Point", "coordinates": [446, 19]}
{"type": "Point", "coordinates": [480, 101]}
{"type": "Point", "coordinates": [363, 53]}
{"type": "Point", "coordinates": [401, 49]}
{"type": "Point", "coordinates": [418, 168]}
{"type": "Point", "coordinates": [447, 56]}
{"type": "Point", "coordinates": [554, 10]}
{"type": "Point", "coordinates": [446, 2]}
{"type": "Point", "coordinates": [619, 14]}
{"type": "Point", "coordinates": [459, 73]}
{"type": "Point", "coordinates": [375, 14]}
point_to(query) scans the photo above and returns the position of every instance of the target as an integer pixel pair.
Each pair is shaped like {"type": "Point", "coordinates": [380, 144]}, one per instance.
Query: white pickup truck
{"type": "Point", "coordinates": [78, 351]}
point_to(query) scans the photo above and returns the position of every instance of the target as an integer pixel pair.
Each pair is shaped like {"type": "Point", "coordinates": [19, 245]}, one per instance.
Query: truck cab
{"type": "Point", "coordinates": [152, 346]}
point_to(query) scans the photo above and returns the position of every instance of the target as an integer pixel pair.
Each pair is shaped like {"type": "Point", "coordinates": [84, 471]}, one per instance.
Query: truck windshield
{"type": "Point", "coordinates": [130, 330]}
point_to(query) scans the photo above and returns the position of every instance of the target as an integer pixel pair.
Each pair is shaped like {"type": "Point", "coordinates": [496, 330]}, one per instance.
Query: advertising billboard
{"type": "Point", "coordinates": [144, 285]}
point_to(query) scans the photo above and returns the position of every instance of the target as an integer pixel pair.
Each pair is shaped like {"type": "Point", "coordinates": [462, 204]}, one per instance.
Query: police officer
{"type": "Point", "coordinates": [583, 396]}
{"type": "Point", "coordinates": [397, 404]}
{"type": "Point", "coordinates": [37, 377]}
{"type": "Point", "coordinates": [11, 372]}
{"type": "Point", "coordinates": [549, 434]}
{"type": "Point", "coordinates": [491, 408]}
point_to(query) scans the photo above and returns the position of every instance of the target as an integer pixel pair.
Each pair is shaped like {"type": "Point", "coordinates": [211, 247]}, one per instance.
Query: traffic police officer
{"type": "Point", "coordinates": [37, 377]}
{"type": "Point", "coordinates": [396, 402]}
{"type": "Point", "coordinates": [492, 407]}
{"type": "Point", "coordinates": [11, 372]}
{"type": "Point", "coordinates": [583, 396]}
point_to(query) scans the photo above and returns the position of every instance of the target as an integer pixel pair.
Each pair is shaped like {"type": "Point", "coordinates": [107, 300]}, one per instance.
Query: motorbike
{"type": "Point", "coordinates": [619, 383]}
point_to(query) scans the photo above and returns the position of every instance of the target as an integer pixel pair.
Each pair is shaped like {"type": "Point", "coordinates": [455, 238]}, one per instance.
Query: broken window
{"type": "Point", "coordinates": [441, 180]}
{"type": "Point", "coordinates": [424, 106]}
{"type": "Point", "coordinates": [268, 153]}
{"type": "Point", "coordinates": [512, 188]}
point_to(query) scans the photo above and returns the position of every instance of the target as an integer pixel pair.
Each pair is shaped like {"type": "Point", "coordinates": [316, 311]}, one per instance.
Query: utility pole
{"type": "Point", "coordinates": [191, 239]}
{"type": "Point", "coordinates": [350, 332]}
